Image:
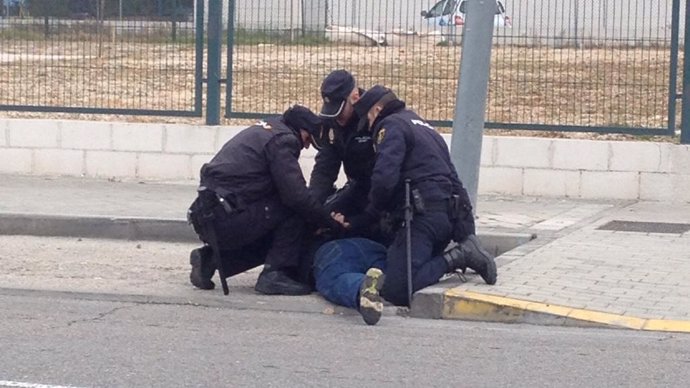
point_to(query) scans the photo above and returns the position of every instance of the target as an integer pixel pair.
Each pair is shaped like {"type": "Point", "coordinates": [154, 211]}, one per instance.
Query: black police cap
{"type": "Point", "coordinates": [335, 89]}
{"type": "Point", "coordinates": [370, 98]}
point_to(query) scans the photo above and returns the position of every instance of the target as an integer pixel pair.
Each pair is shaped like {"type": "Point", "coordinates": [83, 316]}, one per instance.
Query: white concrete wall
{"type": "Point", "coordinates": [585, 169]}
{"type": "Point", "coordinates": [510, 165]}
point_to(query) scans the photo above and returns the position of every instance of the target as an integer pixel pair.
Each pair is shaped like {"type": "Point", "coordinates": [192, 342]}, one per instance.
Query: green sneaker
{"type": "Point", "coordinates": [370, 303]}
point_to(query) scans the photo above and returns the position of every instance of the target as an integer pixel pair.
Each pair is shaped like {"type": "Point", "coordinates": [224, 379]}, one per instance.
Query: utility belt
{"type": "Point", "coordinates": [459, 212]}
{"type": "Point", "coordinates": [212, 194]}
{"type": "Point", "coordinates": [204, 208]}
{"type": "Point", "coordinates": [421, 205]}
{"type": "Point", "coordinates": [442, 206]}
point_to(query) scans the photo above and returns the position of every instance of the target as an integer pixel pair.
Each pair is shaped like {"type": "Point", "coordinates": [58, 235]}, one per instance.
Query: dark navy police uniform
{"type": "Point", "coordinates": [352, 149]}
{"type": "Point", "coordinates": [265, 201]}
{"type": "Point", "coordinates": [407, 147]}
{"type": "Point", "coordinates": [342, 145]}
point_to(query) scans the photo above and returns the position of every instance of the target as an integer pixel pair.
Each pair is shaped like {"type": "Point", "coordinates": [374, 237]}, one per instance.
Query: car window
{"type": "Point", "coordinates": [437, 9]}
{"type": "Point", "coordinates": [450, 6]}
{"type": "Point", "coordinates": [499, 8]}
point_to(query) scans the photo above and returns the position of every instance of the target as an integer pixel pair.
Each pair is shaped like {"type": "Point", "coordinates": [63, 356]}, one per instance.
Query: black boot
{"type": "Point", "coordinates": [203, 268]}
{"type": "Point", "coordinates": [277, 282]}
{"type": "Point", "coordinates": [470, 254]}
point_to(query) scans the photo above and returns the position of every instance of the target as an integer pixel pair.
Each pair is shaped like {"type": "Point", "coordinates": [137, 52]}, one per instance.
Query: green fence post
{"type": "Point", "coordinates": [199, 59]}
{"type": "Point", "coordinates": [215, 31]}
{"type": "Point", "coordinates": [685, 119]}
{"type": "Point", "coordinates": [231, 49]}
{"type": "Point", "coordinates": [673, 68]}
{"type": "Point", "coordinates": [174, 21]}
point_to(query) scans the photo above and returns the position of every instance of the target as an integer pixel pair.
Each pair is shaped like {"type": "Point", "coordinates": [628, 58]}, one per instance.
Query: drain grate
{"type": "Point", "coordinates": [645, 227]}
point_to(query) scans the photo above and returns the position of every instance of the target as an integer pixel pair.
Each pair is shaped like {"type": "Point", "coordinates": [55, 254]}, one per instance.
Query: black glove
{"type": "Point", "coordinates": [336, 228]}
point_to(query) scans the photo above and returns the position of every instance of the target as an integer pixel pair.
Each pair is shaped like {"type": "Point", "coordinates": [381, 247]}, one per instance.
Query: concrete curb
{"type": "Point", "coordinates": [125, 228]}
{"type": "Point", "coordinates": [467, 305]}
{"type": "Point", "coordinates": [245, 299]}
{"type": "Point", "coordinates": [166, 230]}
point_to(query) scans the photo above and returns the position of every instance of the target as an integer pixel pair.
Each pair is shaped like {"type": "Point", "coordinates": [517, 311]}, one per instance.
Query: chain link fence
{"type": "Point", "coordinates": [585, 63]}
{"type": "Point", "coordinates": [599, 64]}
{"type": "Point", "coordinates": [95, 57]}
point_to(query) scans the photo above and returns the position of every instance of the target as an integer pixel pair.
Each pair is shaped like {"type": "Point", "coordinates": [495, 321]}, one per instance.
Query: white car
{"type": "Point", "coordinates": [451, 13]}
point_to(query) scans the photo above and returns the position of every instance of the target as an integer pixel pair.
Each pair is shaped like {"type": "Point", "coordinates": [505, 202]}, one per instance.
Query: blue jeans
{"type": "Point", "coordinates": [340, 267]}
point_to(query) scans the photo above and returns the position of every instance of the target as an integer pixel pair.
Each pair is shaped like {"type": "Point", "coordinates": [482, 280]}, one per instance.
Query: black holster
{"type": "Point", "coordinates": [201, 214]}
{"type": "Point", "coordinates": [462, 218]}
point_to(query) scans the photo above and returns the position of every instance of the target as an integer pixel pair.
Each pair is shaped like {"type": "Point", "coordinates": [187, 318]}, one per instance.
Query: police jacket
{"type": "Point", "coordinates": [344, 145]}
{"type": "Point", "coordinates": [407, 147]}
{"type": "Point", "coordinates": [261, 162]}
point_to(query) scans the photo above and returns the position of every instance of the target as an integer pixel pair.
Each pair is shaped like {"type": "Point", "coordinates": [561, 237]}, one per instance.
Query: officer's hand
{"type": "Point", "coordinates": [341, 219]}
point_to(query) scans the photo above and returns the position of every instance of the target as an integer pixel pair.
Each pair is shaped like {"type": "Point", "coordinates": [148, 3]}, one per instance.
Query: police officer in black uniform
{"type": "Point", "coordinates": [342, 143]}
{"type": "Point", "coordinates": [259, 205]}
{"type": "Point", "coordinates": [408, 148]}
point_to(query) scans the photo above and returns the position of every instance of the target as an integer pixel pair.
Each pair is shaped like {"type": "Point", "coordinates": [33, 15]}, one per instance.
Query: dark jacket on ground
{"type": "Point", "coordinates": [260, 162]}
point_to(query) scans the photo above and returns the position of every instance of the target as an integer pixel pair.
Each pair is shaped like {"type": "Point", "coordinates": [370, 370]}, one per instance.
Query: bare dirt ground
{"type": "Point", "coordinates": [625, 87]}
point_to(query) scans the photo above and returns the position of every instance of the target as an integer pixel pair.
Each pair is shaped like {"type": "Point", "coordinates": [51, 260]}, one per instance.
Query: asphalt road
{"type": "Point", "coordinates": [58, 340]}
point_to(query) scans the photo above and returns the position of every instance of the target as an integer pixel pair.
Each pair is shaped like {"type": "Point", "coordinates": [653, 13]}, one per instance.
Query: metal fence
{"type": "Point", "coordinates": [585, 65]}
{"type": "Point", "coordinates": [136, 66]}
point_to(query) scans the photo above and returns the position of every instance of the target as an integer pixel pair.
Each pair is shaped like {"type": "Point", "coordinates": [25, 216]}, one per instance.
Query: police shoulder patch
{"type": "Point", "coordinates": [264, 125]}
{"type": "Point", "coordinates": [381, 136]}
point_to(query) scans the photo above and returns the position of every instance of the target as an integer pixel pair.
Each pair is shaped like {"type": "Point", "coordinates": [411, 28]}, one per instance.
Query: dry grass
{"type": "Point", "coordinates": [593, 86]}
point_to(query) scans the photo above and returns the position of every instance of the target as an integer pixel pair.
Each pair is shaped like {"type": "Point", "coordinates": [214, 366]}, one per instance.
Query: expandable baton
{"type": "Point", "coordinates": [207, 217]}
{"type": "Point", "coordinates": [216, 256]}
{"type": "Point", "coordinates": [408, 240]}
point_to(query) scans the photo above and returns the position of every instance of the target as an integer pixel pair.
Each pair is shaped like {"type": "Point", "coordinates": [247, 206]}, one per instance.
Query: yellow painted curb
{"type": "Point", "coordinates": [461, 304]}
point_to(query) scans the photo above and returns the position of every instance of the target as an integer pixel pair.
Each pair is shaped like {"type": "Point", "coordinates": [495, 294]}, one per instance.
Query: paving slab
{"type": "Point", "coordinates": [585, 275]}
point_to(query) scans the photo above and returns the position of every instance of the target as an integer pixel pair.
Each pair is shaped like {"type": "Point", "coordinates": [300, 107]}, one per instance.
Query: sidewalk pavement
{"type": "Point", "coordinates": [620, 264]}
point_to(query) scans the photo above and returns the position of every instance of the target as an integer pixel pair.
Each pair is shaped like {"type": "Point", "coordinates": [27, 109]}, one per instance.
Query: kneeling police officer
{"type": "Point", "coordinates": [253, 206]}
{"type": "Point", "coordinates": [410, 150]}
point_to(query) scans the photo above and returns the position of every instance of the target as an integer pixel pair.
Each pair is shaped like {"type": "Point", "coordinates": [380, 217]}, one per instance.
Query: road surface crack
{"type": "Point", "coordinates": [99, 316]}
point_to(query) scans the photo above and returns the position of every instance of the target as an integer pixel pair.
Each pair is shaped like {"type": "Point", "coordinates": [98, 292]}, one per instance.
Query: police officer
{"type": "Point", "coordinates": [259, 204]}
{"type": "Point", "coordinates": [408, 148]}
{"type": "Point", "coordinates": [342, 143]}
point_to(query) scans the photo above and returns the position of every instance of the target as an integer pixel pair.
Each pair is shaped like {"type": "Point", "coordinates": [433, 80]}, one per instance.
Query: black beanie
{"type": "Point", "coordinates": [300, 117]}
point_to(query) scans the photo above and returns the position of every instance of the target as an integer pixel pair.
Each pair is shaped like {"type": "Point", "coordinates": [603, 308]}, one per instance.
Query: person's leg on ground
{"type": "Point", "coordinates": [341, 270]}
